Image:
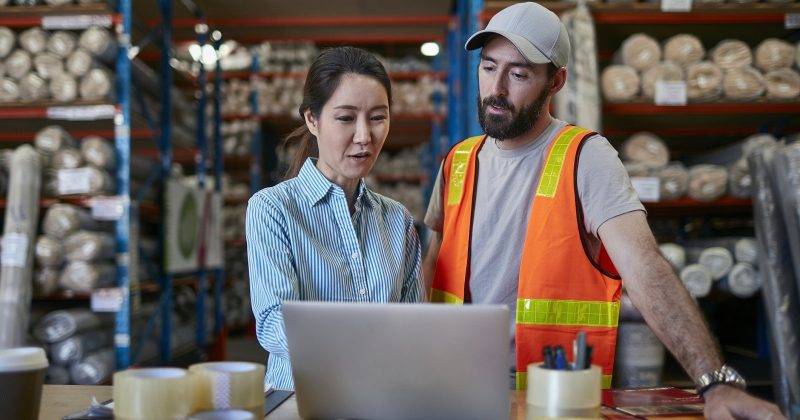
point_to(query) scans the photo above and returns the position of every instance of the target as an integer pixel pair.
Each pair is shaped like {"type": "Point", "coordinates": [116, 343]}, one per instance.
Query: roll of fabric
{"type": "Point", "coordinates": [674, 181]}
{"type": "Point", "coordinates": [61, 220]}
{"type": "Point", "coordinates": [757, 142]}
{"type": "Point", "coordinates": [98, 42]}
{"type": "Point", "coordinates": [9, 90]}
{"type": "Point", "coordinates": [743, 281]}
{"type": "Point", "coordinates": [33, 88]}
{"type": "Point", "coordinates": [7, 41]}
{"type": "Point", "coordinates": [674, 254]}
{"type": "Point", "coordinates": [641, 52]}
{"type": "Point", "coordinates": [98, 151]}
{"type": "Point", "coordinates": [740, 183]}
{"type": "Point", "coordinates": [67, 159]}
{"type": "Point", "coordinates": [773, 54]}
{"type": "Point", "coordinates": [62, 43]}
{"type": "Point", "coordinates": [646, 149]}
{"type": "Point", "coordinates": [33, 40]}
{"type": "Point", "coordinates": [56, 375]}
{"type": "Point", "coordinates": [783, 84]}
{"type": "Point", "coordinates": [666, 71]}
{"type": "Point", "coordinates": [718, 261]}
{"type": "Point", "coordinates": [51, 139]}
{"type": "Point", "coordinates": [18, 64]}
{"type": "Point", "coordinates": [684, 49]}
{"type": "Point", "coordinates": [697, 280]}
{"type": "Point", "coordinates": [62, 324]}
{"type": "Point", "coordinates": [83, 277]}
{"type": "Point", "coordinates": [707, 182]}
{"type": "Point", "coordinates": [49, 252]}
{"type": "Point", "coordinates": [620, 83]}
{"type": "Point", "coordinates": [89, 246]}
{"type": "Point", "coordinates": [79, 63]}
{"type": "Point", "coordinates": [746, 251]}
{"type": "Point", "coordinates": [48, 65]}
{"type": "Point", "coordinates": [743, 83]}
{"type": "Point", "coordinates": [732, 54]}
{"type": "Point", "coordinates": [63, 88]}
{"type": "Point", "coordinates": [45, 281]}
{"type": "Point", "coordinates": [704, 81]}
{"type": "Point", "coordinates": [78, 347]}
{"type": "Point", "coordinates": [96, 85]}
{"type": "Point", "coordinates": [95, 369]}
{"type": "Point", "coordinates": [58, 2]}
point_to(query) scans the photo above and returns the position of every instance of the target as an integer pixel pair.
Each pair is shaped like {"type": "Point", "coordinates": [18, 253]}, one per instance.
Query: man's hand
{"type": "Point", "coordinates": [725, 402]}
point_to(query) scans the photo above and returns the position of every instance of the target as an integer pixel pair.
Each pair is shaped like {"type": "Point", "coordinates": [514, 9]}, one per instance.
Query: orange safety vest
{"type": "Point", "coordinates": [562, 290]}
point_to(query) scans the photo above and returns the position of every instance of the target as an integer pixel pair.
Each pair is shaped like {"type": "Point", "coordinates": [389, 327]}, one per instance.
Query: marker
{"type": "Point", "coordinates": [547, 353]}
{"type": "Point", "coordinates": [588, 363]}
{"type": "Point", "coordinates": [580, 351]}
{"type": "Point", "coordinates": [561, 360]}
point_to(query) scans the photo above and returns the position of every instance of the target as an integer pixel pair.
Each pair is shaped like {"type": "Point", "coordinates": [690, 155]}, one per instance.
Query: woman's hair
{"type": "Point", "coordinates": [321, 82]}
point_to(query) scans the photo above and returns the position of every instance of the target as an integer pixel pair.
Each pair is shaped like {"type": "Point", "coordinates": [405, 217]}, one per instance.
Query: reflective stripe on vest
{"type": "Point", "coordinates": [551, 173]}
{"type": "Point", "coordinates": [444, 297]}
{"type": "Point", "coordinates": [458, 170]}
{"type": "Point", "coordinates": [574, 313]}
{"type": "Point", "coordinates": [522, 380]}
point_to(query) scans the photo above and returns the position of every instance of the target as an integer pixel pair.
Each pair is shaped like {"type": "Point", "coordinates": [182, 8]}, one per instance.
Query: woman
{"type": "Point", "coordinates": [323, 235]}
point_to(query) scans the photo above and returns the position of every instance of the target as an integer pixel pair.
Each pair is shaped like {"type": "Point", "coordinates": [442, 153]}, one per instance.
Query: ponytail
{"type": "Point", "coordinates": [306, 148]}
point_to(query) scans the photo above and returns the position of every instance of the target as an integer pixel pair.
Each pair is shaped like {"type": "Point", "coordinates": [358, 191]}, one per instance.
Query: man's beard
{"type": "Point", "coordinates": [501, 127]}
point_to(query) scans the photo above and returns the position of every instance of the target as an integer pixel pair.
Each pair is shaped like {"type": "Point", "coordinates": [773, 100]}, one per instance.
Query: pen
{"type": "Point", "coordinates": [588, 362]}
{"type": "Point", "coordinates": [547, 353]}
{"type": "Point", "coordinates": [561, 360]}
{"type": "Point", "coordinates": [580, 351]}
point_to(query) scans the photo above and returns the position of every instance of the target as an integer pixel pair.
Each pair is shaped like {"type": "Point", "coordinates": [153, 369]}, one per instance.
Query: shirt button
{"type": "Point", "coordinates": [363, 292]}
{"type": "Point", "coordinates": [354, 255]}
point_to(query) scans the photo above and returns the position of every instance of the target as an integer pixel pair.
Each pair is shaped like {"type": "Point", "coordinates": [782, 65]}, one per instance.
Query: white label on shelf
{"type": "Point", "coordinates": [676, 5]}
{"type": "Point", "coordinates": [76, 21]}
{"type": "Point", "coordinates": [81, 113]}
{"type": "Point", "coordinates": [73, 181]}
{"type": "Point", "coordinates": [122, 340]}
{"type": "Point", "coordinates": [107, 208]}
{"type": "Point", "coordinates": [648, 188]}
{"type": "Point", "coordinates": [15, 250]}
{"type": "Point", "coordinates": [671, 93]}
{"type": "Point", "coordinates": [107, 300]}
{"type": "Point", "coordinates": [792, 20]}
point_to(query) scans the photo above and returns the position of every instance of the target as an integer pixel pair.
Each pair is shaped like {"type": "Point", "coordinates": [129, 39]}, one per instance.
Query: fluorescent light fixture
{"type": "Point", "coordinates": [430, 49]}
{"type": "Point", "coordinates": [195, 51]}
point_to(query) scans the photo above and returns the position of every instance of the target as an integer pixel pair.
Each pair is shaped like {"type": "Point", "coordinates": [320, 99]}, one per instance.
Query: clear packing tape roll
{"type": "Point", "coordinates": [563, 393]}
{"type": "Point", "coordinates": [224, 385]}
{"type": "Point", "coordinates": [157, 393]}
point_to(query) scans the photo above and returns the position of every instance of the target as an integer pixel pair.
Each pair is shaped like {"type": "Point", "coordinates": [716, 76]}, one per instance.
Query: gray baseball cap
{"type": "Point", "coordinates": [537, 33]}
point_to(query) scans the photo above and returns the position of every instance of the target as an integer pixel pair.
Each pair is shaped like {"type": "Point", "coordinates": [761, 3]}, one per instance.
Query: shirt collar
{"type": "Point", "coordinates": [317, 187]}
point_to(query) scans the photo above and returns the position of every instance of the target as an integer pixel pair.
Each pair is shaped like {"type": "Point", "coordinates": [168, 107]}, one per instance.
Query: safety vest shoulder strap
{"type": "Point", "coordinates": [455, 168]}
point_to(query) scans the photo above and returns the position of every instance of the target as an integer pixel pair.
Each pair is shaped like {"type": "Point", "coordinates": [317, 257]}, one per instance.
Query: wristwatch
{"type": "Point", "coordinates": [725, 375]}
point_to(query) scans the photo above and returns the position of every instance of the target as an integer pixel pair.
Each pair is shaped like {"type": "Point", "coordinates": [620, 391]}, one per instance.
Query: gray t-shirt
{"type": "Point", "coordinates": [507, 180]}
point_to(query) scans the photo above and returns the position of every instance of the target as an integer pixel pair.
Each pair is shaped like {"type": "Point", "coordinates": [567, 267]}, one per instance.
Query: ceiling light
{"type": "Point", "coordinates": [430, 49]}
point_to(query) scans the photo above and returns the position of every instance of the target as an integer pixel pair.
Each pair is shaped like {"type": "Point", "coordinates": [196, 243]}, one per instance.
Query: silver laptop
{"type": "Point", "coordinates": [399, 361]}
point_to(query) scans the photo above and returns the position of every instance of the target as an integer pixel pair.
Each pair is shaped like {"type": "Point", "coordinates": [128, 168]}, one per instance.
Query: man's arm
{"type": "Point", "coordinates": [429, 264]}
{"type": "Point", "coordinates": [672, 314]}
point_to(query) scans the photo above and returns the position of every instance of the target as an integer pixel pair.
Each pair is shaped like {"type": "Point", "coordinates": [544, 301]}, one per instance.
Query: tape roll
{"type": "Point", "coordinates": [226, 385]}
{"type": "Point", "coordinates": [156, 393]}
{"type": "Point", "coordinates": [563, 393]}
{"type": "Point", "coordinates": [223, 415]}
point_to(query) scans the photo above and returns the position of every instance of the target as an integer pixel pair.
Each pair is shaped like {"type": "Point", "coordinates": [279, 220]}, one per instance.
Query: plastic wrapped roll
{"type": "Point", "coordinates": [783, 84]}
{"type": "Point", "coordinates": [746, 251]}
{"type": "Point", "coordinates": [33, 88]}
{"type": "Point", "coordinates": [732, 54]}
{"type": "Point", "coordinates": [757, 142]}
{"type": "Point", "coordinates": [743, 281]}
{"type": "Point", "coordinates": [674, 181]}
{"type": "Point", "coordinates": [9, 90]}
{"type": "Point", "coordinates": [620, 83]}
{"type": "Point", "coordinates": [83, 277]}
{"type": "Point", "coordinates": [59, 325]}
{"type": "Point", "coordinates": [95, 369]}
{"type": "Point", "coordinates": [740, 183]}
{"type": "Point", "coordinates": [703, 81]}
{"type": "Point", "coordinates": [98, 42]}
{"type": "Point", "coordinates": [19, 231]}
{"type": "Point", "coordinates": [56, 375]}
{"type": "Point", "coordinates": [98, 151]}
{"type": "Point", "coordinates": [58, 2]}
{"type": "Point", "coordinates": [773, 54]}
{"type": "Point", "coordinates": [45, 281]}
{"type": "Point", "coordinates": [684, 49]}
{"type": "Point", "coordinates": [100, 182]}
{"type": "Point", "coordinates": [226, 385]}
{"type": "Point", "coordinates": [33, 40]}
{"type": "Point", "coordinates": [62, 43]}
{"type": "Point", "coordinates": [707, 182]}
{"type": "Point", "coordinates": [89, 246]}
{"type": "Point", "coordinates": [674, 254]}
{"type": "Point", "coordinates": [51, 139]}
{"type": "Point", "coordinates": [641, 52]}
{"type": "Point", "coordinates": [646, 149]}
{"type": "Point", "coordinates": [49, 252]}
{"type": "Point", "coordinates": [743, 83]}
{"type": "Point", "coordinates": [662, 72]}
{"type": "Point", "coordinates": [18, 64]}
{"type": "Point", "coordinates": [79, 63]}
{"type": "Point", "coordinates": [7, 41]}
{"type": "Point", "coordinates": [156, 393]}
{"type": "Point", "coordinates": [77, 347]}
{"type": "Point", "coordinates": [67, 159]}
{"type": "Point", "coordinates": [48, 65]}
{"type": "Point", "coordinates": [61, 220]}
{"type": "Point", "coordinates": [718, 260]}
{"type": "Point", "coordinates": [63, 87]}
{"type": "Point", "coordinates": [97, 84]}
{"type": "Point", "coordinates": [697, 280]}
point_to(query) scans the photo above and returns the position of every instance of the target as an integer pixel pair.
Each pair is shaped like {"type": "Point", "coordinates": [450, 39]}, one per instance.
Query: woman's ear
{"type": "Point", "coordinates": [311, 122]}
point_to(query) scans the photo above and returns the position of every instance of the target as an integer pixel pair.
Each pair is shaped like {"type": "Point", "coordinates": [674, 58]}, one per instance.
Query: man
{"type": "Point", "coordinates": [541, 216]}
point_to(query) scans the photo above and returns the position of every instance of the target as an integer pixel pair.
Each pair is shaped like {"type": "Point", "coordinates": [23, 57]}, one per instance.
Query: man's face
{"type": "Point", "coordinates": [512, 91]}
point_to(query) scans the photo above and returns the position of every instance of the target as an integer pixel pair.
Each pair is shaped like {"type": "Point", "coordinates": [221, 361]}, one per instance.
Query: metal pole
{"type": "Point", "coordinates": [219, 273]}
{"type": "Point", "coordinates": [473, 127]}
{"type": "Point", "coordinates": [165, 6]}
{"type": "Point", "coordinates": [200, 337]}
{"type": "Point", "coordinates": [454, 99]}
{"type": "Point", "coordinates": [255, 147]}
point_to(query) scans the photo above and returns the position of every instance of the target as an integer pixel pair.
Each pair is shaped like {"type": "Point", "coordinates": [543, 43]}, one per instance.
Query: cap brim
{"type": "Point", "coordinates": [525, 47]}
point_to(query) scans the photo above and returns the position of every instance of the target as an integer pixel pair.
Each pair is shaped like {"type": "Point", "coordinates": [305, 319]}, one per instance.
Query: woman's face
{"type": "Point", "coordinates": [351, 128]}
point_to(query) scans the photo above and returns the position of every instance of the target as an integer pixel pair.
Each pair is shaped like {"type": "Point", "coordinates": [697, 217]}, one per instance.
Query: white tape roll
{"type": "Point", "coordinates": [226, 385]}
{"type": "Point", "coordinates": [563, 393]}
{"type": "Point", "coordinates": [157, 393]}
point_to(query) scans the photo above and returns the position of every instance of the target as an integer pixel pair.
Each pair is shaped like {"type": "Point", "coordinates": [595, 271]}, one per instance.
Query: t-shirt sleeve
{"type": "Point", "coordinates": [604, 187]}
{"type": "Point", "coordinates": [434, 216]}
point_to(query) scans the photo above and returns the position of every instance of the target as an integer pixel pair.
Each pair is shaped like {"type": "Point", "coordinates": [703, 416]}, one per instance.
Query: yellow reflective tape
{"type": "Point", "coordinates": [458, 170]}
{"type": "Point", "coordinates": [522, 381]}
{"type": "Point", "coordinates": [606, 382]}
{"type": "Point", "coordinates": [440, 296]}
{"type": "Point", "coordinates": [567, 312]}
{"type": "Point", "coordinates": [548, 184]}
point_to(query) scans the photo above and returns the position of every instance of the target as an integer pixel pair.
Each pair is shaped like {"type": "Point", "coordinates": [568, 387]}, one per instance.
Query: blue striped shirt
{"type": "Point", "coordinates": [303, 244]}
